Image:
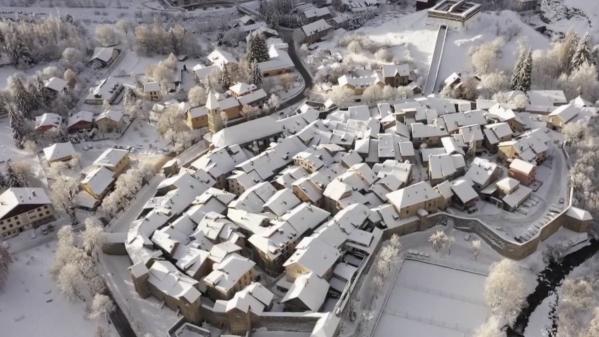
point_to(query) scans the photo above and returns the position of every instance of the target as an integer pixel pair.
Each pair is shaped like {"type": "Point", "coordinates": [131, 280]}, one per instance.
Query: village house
{"type": "Point", "coordinates": [221, 58]}
{"type": "Point", "coordinates": [445, 167]}
{"type": "Point", "coordinates": [116, 160]}
{"type": "Point", "coordinates": [23, 208]}
{"type": "Point", "coordinates": [396, 75]}
{"type": "Point", "coordinates": [523, 171]}
{"type": "Point", "coordinates": [315, 31]}
{"type": "Point", "coordinates": [562, 115]}
{"type": "Point", "coordinates": [512, 193]}
{"type": "Point", "coordinates": [48, 121]}
{"type": "Point", "coordinates": [197, 117]}
{"type": "Point", "coordinates": [464, 195]}
{"type": "Point", "coordinates": [104, 56]}
{"type": "Point", "coordinates": [279, 61]}
{"type": "Point", "coordinates": [110, 120]}
{"type": "Point", "coordinates": [310, 13]}
{"type": "Point", "coordinates": [229, 276]}
{"type": "Point", "coordinates": [107, 90]}
{"type": "Point", "coordinates": [97, 182]}
{"type": "Point", "coordinates": [482, 172]}
{"type": "Point", "coordinates": [81, 121]}
{"type": "Point", "coordinates": [151, 90]}
{"type": "Point", "coordinates": [59, 152]}
{"type": "Point", "coordinates": [166, 283]}
{"type": "Point", "coordinates": [416, 199]}
{"type": "Point", "coordinates": [307, 293]}
{"type": "Point", "coordinates": [360, 82]}
{"type": "Point", "coordinates": [530, 146]}
{"type": "Point", "coordinates": [55, 86]}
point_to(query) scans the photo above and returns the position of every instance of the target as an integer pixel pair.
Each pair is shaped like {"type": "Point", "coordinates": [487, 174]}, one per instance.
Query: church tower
{"type": "Point", "coordinates": [215, 120]}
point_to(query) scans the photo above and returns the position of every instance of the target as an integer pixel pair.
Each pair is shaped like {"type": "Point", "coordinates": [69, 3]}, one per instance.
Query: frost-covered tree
{"type": "Point", "coordinates": [387, 256]}
{"type": "Point", "coordinates": [490, 328]}
{"type": "Point", "coordinates": [225, 78]}
{"type": "Point", "coordinates": [93, 234]}
{"type": "Point", "coordinates": [593, 329]}
{"type": "Point", "coordinates": [5, 261]}
{"type": "Point", "coordinates": [476, 245]}
{"type": "Point", "coordinates": [521, 78]}
{"type": "Point", "coordinates": [583, 53]}
{"type": "Point", "coordinates": [17, 127]}
{"type": "Point", "coordinates": [197, 96]}
{"type": "Point", "coordinates": [484, 58]}
{"type": "Point", "coordinates": [492, 83]}
{"type": "Point", "coordinates": [62, 192]}
{"type": "Point", "coordinates": [101, 306]}
{"type": "Point", "coordinates": [506, 289]}
{"type": "Point", "coordinates": [72, 57]}
{"type": "Point", "coordinates": [582, 81]}
{"type": "Point", "coordinates": [257, 49]}
{"type": "Point", "coordinates": [23, 100]}
{"type": "Point", "coordinates": [439, 240]}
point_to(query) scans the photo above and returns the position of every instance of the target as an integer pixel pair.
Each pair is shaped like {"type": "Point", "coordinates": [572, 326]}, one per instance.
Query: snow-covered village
{"type": "Point", "coordinates": [299, 168]}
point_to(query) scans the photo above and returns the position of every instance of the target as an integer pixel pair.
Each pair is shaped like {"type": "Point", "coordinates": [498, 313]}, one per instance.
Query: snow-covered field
{"type": "Point", "coordinates": [432, 300]}
{"type": "Point", "coordinates": [489, 26]}
{"type": "Point", "coordinates": [31, 305]}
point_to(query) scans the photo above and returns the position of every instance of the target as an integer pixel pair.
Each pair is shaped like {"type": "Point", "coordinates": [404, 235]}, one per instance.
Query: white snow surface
{"type": "Point", "coordinates": [31, 305]}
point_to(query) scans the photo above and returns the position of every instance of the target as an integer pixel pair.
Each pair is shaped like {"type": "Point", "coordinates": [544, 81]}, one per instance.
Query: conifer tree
{"type": "Point", "coordinates": [257, 50]}
{"type": "Point", "coordinates": [256, 75]}
{"type": "Point", "coordinates": [582, 54]}
{"type": "Point", "coordinates": [521, 78]}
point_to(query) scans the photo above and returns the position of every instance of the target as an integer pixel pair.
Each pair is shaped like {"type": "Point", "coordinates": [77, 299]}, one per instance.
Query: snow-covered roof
{"type": "Point", "coordinates": [392, 70]}
{"type": "Point", "coordinates": [565, 112]}
{"type": "Point", "coordinates": [151, 86]}
{"type": "Point", "coordinates": [55, 83]}
{"type": "Point", "coordinates": [522, 166]}
{"type": "Point", "coordinates": [481, 171]}
{"type": "Point", "coordinates": [103, 54]}
{"type": "Point", "coordinates": [508, 184]}
{"type": "Point", "coordinates": [515, 198]}
{"type": "Point", "coordinates": [462, 189]}
{"type": "Point", "coordinates": [21, 197]}
{"type": "Point", "coordinates": [111, 157]}
{"type": "Point", "coordinates": [167, 279]}
{"type": "Point", "coordinates": [360, 81]}
{"type": "Point", "coordinates": [226, 274]}
{"type": "Point", "coordinates": [59, 151]}
{"type": "Point", "coordinates": [221, 58]}
{"type": "Point", "coordinates": [48, 119]}
{"type": "Point", "coordinates": [98, 180]}
{"type": "Point", "coordinates": [314, 255]}
{"type": "Point", "coordinates": [81, 116]}
{"type": "Point", "coordinates": [241, 88]}
{"type": "Point", "coordinates": [310, 289]}
{"type": "Point", "coordinates": [261, 128]}
{"type": "Point", "coordinates": [111, 114]}
{"type": "Point", "coordinates": [316, 27]}
{"type": "Point", "coordinates": [252, 97]}
{"type": "Point", "coordinates": [203, 72]}
{"type": "Point", "coordinates": [412, 195]}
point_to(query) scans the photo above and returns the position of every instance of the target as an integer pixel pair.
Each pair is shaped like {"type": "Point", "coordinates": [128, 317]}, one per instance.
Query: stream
{"type": "Point", "coordinates": [548, 280]}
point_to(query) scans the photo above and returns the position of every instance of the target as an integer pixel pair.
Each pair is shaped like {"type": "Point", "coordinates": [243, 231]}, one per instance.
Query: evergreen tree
{"type": "Point", "coordinates": [257, 50]}
{"type": "Point", "coordinates": [582, 54]}
{"type": "Point", "coordinates": [17, 127]}
{"type": "Point", "coordinates": [22, 98]}
{"type": "Point", "coordinates": [521, 78]}
{"type": "Point", "coordinates": [225, 78]}
{"type": "Point", "coordinates": [3, 182]}
{"type": "Point", "coordinates": [256, 75]}
{"type": "Point", "coordinates": [12, 179]}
